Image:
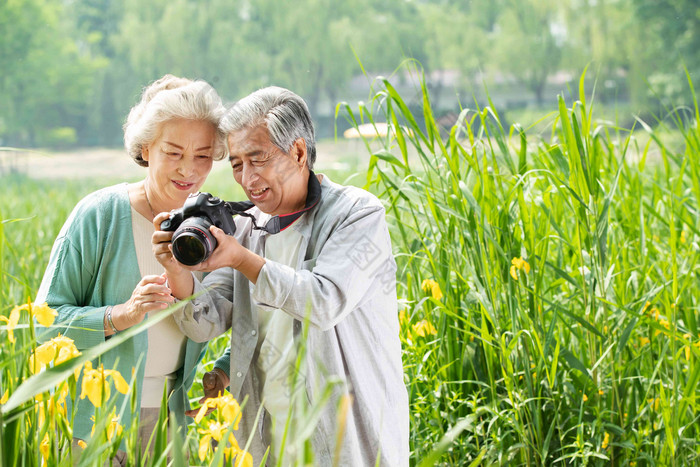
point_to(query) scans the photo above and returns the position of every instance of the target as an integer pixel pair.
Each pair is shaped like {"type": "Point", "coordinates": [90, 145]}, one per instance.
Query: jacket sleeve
{"type": "Point", "coordinates": [208, 314]}
{"type": "Point", "coordinates": [63, 287]}
{"type": "Point", "coordinates": [224, 362]}
{"type": "Point", "coordinates": [355, 261]}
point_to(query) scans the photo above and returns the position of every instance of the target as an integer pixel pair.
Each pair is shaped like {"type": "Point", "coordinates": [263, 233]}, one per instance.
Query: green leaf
{"type": "Point", "coordinates": [51, 377]}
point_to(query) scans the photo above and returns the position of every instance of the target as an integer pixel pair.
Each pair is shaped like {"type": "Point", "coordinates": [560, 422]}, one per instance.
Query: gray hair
{"type": "Point", "coordinates": [284, 113]}
{"type": "Point", "coordinates": [167, 99]}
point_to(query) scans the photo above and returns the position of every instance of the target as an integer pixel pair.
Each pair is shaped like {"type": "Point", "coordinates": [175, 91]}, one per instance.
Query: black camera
{"type": "Point", "coordinates": [192, 240]}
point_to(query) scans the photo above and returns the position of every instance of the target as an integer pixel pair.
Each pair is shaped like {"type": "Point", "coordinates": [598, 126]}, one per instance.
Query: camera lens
{"type": "Point", "coordinates": [193, 242]}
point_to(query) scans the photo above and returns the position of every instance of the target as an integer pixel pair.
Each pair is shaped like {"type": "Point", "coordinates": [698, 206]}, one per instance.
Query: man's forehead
{"type": "Point", "coordinates": [248, 140]}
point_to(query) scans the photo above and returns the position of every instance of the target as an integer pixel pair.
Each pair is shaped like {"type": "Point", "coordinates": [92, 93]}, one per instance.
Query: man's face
{"type": "Point", "coordinates": [275, 181]}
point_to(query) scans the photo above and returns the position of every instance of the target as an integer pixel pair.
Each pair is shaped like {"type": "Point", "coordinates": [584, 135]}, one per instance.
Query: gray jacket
{"type": "Point", "coordinates": [346, 280]}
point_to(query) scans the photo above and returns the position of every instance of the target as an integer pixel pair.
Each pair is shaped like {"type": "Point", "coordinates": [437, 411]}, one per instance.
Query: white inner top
{"type": "Point", "coordinates": [277, 351]}
{"type": "Point", "coordinates": [166, 343]}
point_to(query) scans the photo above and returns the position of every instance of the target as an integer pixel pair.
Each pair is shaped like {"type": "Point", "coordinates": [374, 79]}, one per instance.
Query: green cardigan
{"type": "Point", "coordinates": [93, 264]}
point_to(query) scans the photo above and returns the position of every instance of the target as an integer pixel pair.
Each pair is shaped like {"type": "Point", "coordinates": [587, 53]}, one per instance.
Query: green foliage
{"type": "Point", "coordinates": [46, 78]}
{"type": "Point", "coordinates": [87, 63]}
{"type": "Point", "coordinates": [562, 324]}
{"type": "Point", "coordinates": [565, 329]}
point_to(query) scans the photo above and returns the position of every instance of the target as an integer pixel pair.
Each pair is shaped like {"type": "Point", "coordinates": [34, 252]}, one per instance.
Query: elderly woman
{"type": "Point", "coordinates": [102, 276]}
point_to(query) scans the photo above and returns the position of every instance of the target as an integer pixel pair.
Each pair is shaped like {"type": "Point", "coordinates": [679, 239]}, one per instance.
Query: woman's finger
{"type": "Point", "coordinates": [160, 217]}
{"type": "Point", "coordinates": [161, 237]}
{"type": "Point", "coordinates": [152, 279]}
{"type": "Point", "coordinates": [153, 289]}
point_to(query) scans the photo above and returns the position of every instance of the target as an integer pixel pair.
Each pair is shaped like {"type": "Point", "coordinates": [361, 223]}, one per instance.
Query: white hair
{"type": "Point", "coordinates": [284, 113]}
{"type": "Point", "coordinates": [171, 98]}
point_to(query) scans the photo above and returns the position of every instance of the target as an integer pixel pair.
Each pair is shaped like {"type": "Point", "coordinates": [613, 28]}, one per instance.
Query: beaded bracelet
{"type": "Point", "coordinates": [109, 319]}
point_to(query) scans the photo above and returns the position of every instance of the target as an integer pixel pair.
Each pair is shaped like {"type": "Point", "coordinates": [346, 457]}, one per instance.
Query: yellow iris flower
{"type": "Point", "coordinates": [58, 350]}
{"type": "Point", "coordinates": [230, 413]}
{"type": "Point", "coordinates": [247, 459]}
{"type": "Point", "coordinates": [53, 404]}
{"type": "Point", "coordinates": [518, 264]}
{"type": "Point", "coordinates": [95, 384]}
{"type": "Point", "coordinates": [5, 396]}
{"type": "Point", "coordinates": [403, 318]}
{"type": "Point", "coordinates": [44, 314]}
{"type": "Point", "coordinates": [432, 287]}
{"type": "Point", "coordinates": [424, 328]}
{"type": "Point", "coordinates": [114, 428]}
{"type": "Point", "coordinates": [45, 447]}
{"type": "Point", "coordinates": [204, 443]}
{"type": "Point", "coordinates": [12, 321]}
{"type": "Point", "coordinates": [230, 410]}
{"type": "Point", "coordinates": [654, 403]}
{"type": "Point", "coordinates": [215, 431]}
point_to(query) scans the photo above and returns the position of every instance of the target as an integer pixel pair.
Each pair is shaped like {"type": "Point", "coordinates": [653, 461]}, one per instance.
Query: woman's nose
{"type": "Point", "coordinates": [186, 166]}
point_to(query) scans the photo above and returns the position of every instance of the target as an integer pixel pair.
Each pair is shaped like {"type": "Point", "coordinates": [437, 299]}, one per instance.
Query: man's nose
{"type": "Point", "coordinates": [249, 175]}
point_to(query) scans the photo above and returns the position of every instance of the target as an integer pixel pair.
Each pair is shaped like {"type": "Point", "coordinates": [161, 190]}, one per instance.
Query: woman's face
{"type": "Point", "coordinates": [179, 161]}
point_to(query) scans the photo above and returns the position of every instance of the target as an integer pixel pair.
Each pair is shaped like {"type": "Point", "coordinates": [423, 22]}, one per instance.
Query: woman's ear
{"type": "Point", "coordinates": [144, 152]}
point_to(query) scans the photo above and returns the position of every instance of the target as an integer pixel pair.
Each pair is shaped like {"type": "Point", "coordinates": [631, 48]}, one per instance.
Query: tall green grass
{"type": "Point", "coordinates": [591, 356]}
{"type": "Point", "coordinates": [587, 355]}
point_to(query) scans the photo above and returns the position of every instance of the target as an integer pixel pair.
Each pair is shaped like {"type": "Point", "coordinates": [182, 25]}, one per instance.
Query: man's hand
{"type": "Point", "coordinates": [226, 254]}
{"type": "Point", "coordinates": [230, 253]}
{"type": "Point", "coordinates": [214, 384]}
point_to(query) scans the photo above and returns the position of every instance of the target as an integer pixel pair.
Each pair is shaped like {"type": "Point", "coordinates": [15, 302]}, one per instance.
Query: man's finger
{"type": "Point", "coordinates": [193, 413]}
{"type": "Point", "coordinates": [209, 380]}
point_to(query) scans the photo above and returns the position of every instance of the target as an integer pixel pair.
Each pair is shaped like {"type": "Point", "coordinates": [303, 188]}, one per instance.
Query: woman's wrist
{"type": "Point", "coordinates": [108, 322]}
{"type": "Point", "coordinates": [120, 318]}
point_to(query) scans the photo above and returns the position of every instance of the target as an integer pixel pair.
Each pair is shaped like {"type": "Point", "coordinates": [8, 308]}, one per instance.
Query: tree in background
{"type": "Point", "coordinates": [459, 37]}
{"type": "Point", "coordinates": [99, 21]}
{"type": "Point", "coordinates": [669, 31]}
{"type": "Point", "coordinates": [48, 74]}
{"type": "Point", "coordinates": [529, 43]}
{"type": "Point", "coordinates": [71, 70]}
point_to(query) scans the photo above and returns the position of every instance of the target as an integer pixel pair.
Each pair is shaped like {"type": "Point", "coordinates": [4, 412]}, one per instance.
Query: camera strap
{"type": "Point", "coordinates": [276, 224]}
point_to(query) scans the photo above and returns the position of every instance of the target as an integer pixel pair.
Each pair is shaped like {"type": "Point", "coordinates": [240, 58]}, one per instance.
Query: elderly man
{"type": "Point", "coordinates": [313, 253]}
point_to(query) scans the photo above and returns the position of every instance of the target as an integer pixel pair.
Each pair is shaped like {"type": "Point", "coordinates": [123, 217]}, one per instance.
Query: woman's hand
{"type": "Point", "coordinates": [179, 277]}
{"type": "Point", "coordinates": [162, 247]}
{"type": "Point", "coordinates": [214, 384]}
{"type": "Point", "coordinates": [150, 295]}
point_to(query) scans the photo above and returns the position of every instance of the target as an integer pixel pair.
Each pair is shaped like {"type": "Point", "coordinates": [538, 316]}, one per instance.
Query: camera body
{"type": "Point", "coordinates": [192, 241]}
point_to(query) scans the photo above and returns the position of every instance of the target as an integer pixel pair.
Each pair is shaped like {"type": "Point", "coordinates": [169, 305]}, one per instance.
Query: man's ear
{"type": "Point", "coordinates": [144, 152]}
{"type": "Point", "coordinates": [298, 152]}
